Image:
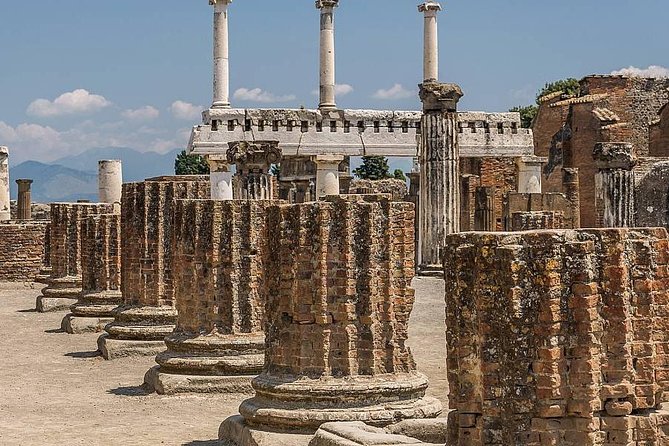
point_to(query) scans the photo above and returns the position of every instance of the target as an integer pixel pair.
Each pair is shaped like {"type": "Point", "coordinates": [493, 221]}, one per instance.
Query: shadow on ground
{"type": "Point", "coordinates": [142, 390]}
{"type": "Point", "coordinates": [29, 310]}
{"type": "Point", "coordinates": [55, 330]}
{"type": "Point", "coordinates": [84, 355]}
{"type": "Point", "coordinates": [203, 443]}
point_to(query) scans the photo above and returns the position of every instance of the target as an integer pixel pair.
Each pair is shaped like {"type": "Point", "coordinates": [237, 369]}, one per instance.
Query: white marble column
{"type": "Point", "coordinates": [110, 181]}
{"type": "Point", "coordinates": [221, 60]}
{"type": "Point", "coordinates": [430, 41]}
{"type": "Point", "coordinates": [528, 173]}
{"type": "Point", "coordinates": [5, 212]}
{"type": "Point", "coordinates": [220, 178]}
{"type": "Point", "coordinates": [327, 44]}
{"type": "Point", "coordinates": [327, 175]}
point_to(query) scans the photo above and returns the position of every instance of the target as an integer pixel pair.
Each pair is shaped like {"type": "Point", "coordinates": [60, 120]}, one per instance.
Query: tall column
{"type": "Point", "coordinates": [430, 41]}
{"type": "Point", "coordinates": [5, 212]}
{"type": "Point", "coordinates": [24, 206]}
{"type": "Point", "coordinates": [614, 184]}
{"type": "Point", "coordinates": [327, 175]}
{"type": "Point", "coordinates": [221, 60]}
{"type": "Point", "coordinates": [252, 180]}
{"type": "Point", "coordinates": [571, 186]}
{"type": "Point", "coordinates": [528, 174]}
{"type": "Point", "coordinates": [220, 178]}
{"type": "Point", "coordinates": [327, 46]}
{"type": "Point", "coordinates": [440, 172]}
{"type": "Point", "coordinates": [110, 182]}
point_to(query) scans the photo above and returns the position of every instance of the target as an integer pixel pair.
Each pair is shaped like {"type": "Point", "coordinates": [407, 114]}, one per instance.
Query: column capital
{"type": "Point", "coordinates": [429, 7]}
{"type": "Point", "coordinates": [24, 181]}
{"type": "Point", "coordinates": [219, 2]}
{"type": "Point", "coordinates": [614, 155]}
{"type": "Point", "coordinates": [320, 4]}
{"type": "Point", "coordinates": [439, 96]}
{"type": "Point", "coordinates": [4, 151]}
{"type": "Point", "coordinates": [256, 153]}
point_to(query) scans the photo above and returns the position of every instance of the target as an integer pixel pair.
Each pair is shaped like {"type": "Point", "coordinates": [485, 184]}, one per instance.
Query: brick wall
{"type": "Point", "coordinates": [21, 251]}
{"type": "Point", "coordinates": [396, 188]}
{"type": "Point", "coordinates": [558, 337]}
{"type": "Point", "coordinates": [217, 264]}
{"type": "Point", "coordinates": [499, 173]}
{"type": "Point", "coordinates": [65, 235]}
{"type": "Point", "coordinates": [659, 134]}
{"type": "Point", "coordinates": [146, 225]}
{"type": "Point", "coordinates": [101, 248]}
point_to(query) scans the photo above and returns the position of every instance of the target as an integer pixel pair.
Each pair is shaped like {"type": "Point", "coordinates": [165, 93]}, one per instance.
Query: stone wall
{"type": "Point", "coordinates": [652, 197]}
{"type": "Point", "coordinates": [528, 221]}
{"type": "Point", "coordinates": [396, 188]}
{"type": "Point", "coordinates": [529, 203]}
{"type": "Point", "coordinates": [659, 134]}
{"type": "Point", "coordinates": [40, 211]}
{"type": "Point", "coordinates": [21, 251]}
{"type": "Point", "coordinates": [146, 221]}
{"type": "Point", "coordinates": [558, 337]}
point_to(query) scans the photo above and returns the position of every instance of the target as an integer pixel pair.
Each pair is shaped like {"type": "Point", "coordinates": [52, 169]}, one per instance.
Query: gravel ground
{"type": "Point", "coordinates": [55, 389]}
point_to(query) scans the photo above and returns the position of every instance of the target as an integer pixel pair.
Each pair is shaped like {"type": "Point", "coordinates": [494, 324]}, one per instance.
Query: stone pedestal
{"type": "Point", "coordinates": [64, 284]}
{"type": "Point", "coordinates": [220, 178]}
{"type": "Point", "coordinates": [337, 275]}
{"type": "Point", "coordinates": [439, 167]}
{"type": "Point", "coordinates": [528, 173]}
{"type": "Point", "coordinates": [327, 175]}
{"type": "Point", "coordinates": [101, 275]}
{"type": "Point", "coordinates": [252, 180]}
{"type": "Point", "coordinates": [558, 337]}
{"type": "Point", "coordinates": [218, 344]}
{"type": "Point", "coordinates": [24, 205]}
{"type": "Point", "coordinates": [148, 313]}
{"type": "Point", "coordinates": [5, 212]}
{"type": "Point", "coordinates": [484, 209]}
{"type": "Point", "coordinates": [614, 184]}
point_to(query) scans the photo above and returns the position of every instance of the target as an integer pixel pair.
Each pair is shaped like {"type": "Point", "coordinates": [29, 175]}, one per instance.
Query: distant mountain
{"type": "Point", "coordinates": [75, 177]}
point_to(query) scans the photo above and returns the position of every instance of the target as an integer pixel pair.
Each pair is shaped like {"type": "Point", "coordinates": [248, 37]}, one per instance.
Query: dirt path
{"type": "Point", "coordinates": [55, 390]}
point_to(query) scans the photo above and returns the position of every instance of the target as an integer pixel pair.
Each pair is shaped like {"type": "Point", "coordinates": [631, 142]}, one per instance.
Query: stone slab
{"type": "Point", "coordinates": [235, 432]}
{"type": "Point", "coordinates": [48, 304]}
{"type": "Point", "coordinates": [431, 271]}
{"type": "Point", "coordinates": [431, 430]}
{"type": "Point", "coordinates": [77, 325]}
{"type": "Point", "coordinates": [121, 348]}
{"type": "Point", "coordinates": [171, 384]}
{"type": "Point", "coordinates": [360, 434]}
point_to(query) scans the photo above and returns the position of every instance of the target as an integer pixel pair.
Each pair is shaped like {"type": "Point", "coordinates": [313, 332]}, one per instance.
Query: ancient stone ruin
{"type": "Point", "coordinates": [218, 344]}
{"type": "Point", "coordinates": [338, 304]}
{"type": "Point", "coordinates": [558, 337]}
{"type": "Point", "coordinates": [149, 310]}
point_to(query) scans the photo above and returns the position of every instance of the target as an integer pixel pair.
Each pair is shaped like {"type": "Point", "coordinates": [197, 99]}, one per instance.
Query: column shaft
{"type": "Point", "coordinates": [221, 56]}
{"type": "Point", "coordinates": [24, 206]}
{"type": "Point", "coordinates": [430, 40]}
{"type": "Point", "coordinates": [5, 213]}
{"type": "Point", "coordinates": [110, 181]}
{"type": "Point", "coordinates": [327, 176]}
{"type": "Point", "coordinates": [327, 54]}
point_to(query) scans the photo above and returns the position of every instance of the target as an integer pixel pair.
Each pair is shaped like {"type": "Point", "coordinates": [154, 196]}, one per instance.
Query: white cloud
{"type": "Point", "coordinates": [258, 95]}
{"type": "Point", "coordinates": [340, 90]}
{"type": "Point", "coordinates": [186, 111]}
{"type": "Point", "coordinates": [77, 101]}
{"type": "Point", "coordinates": [654, 71]}
{"type": "Point", "coordinates": [145, 113]}
{"type": "Point", "coordinates": [397, 91]}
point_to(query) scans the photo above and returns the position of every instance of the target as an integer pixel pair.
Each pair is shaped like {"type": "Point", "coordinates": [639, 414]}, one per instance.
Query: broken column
{"type": "Point", "coordinates": [220, 178]}
{"type": "Point", "coordinates": [148, 313]}
{"type": "Point", "coordinates": [572, 187]}
{"type": "Point", "coordinates": [528, 173]}
{"type": "Point", "coordinates": [252, 179]}
{"type": "Point", "coordinates": [337, 275]}
{"type": "Point", "coordinates": [484, 209]}
{"type": "Point", "coordinates": [46, 270]}
{"type": "Point", "coordinates": [440, 172]}
{"type": "Point", "coordinates": [614, 184]}
{"type": "Point", "coordinates": [24, 205]}
{"type": "Point", "coordinates": [221, 57]}
{"type": "Point", "coordinates": [5, 212]}
{"type": "Point", "coordinates": [64, 285]}
{"type": "Point", "coordinates": [110, 182]}
{"type": "Point", "coordinates": [327, 54]}
{"type": "Point", "coordinates": [218, 344]}
{"type": "Point", "coordinates": [558, 337]}
{"type": "Point", "coordinates": [327, 175]}
{"type": "Point", "coordinates": [100, 277]}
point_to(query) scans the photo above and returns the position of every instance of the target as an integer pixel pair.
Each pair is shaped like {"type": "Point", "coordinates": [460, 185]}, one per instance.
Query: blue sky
{"type": "Point", "coordinates": [78, 74]}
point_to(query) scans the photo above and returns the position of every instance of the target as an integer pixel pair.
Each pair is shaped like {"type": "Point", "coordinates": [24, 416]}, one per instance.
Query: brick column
{"type": "Point", "coordinates": [572, 186]}
{"type": "Point", "coordinates": [101, 275]}
{"type": "Point", "coordinates": [24, 205]}
{"type": "Point", "coordinates": [614, 184]}
{"type": "Point", "coordinates": [64, 284]}
{"type": "Point", "coordinates": [440, 172]}
{"type": "Point", "coordinates": [218, 344]}
{"type": "Point", "coordinates": [252, 180]}
{"type": "Point", "coordinates": [149, 311]}
{"type": "Point", "coordinates": [338, 304]}
{"type": "Point", "coordinates": [46, 270]}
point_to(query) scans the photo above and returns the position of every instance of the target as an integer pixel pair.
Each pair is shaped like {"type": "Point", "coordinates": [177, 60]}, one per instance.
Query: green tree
{"type": "Point", "coordinates": [568, 86]}
{"type": "Point", "coordinates": [398, 174]}
{"type": "Point", "coordinates": [373, 168]}
{"type": "Point", "coordinates": [527, 115]}
{"type": "Point", "coordinates": [186, 164]}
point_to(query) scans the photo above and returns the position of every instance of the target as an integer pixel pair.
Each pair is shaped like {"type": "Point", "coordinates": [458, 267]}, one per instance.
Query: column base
{"type": "Point", "coordinates": [122, 348]}
{"type": "Point", "coordinates": [50, 304]}
{"type": "Point", "coordinates": [291, 403]}
{"type": "Point", "coordinates": [77, 324]}
{"type": "Point", "coordinates": [236, 431]}
{"type": "Point", "coordinates": [142, 323]}
{"type": "Point", "coordinates": [431, 271]}
{"type": "Point", "coordinates": [172, 384]}
{"type": "Point", "coordinates": [44, 275]}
